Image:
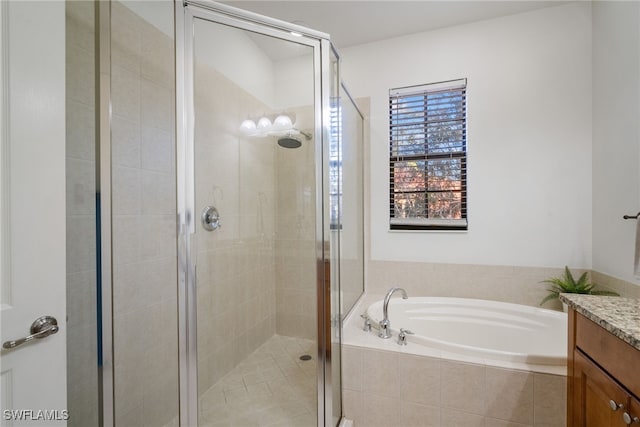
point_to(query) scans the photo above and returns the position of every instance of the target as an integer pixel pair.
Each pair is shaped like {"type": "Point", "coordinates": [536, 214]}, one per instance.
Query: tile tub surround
{"type": "Point", "coordinates": [516, 284]}
{"type": "Point", "coordinates": [622, 287]}
{"type": "Point", "coordinates": [618, 315]}
{"type": "Point", "coordinates": [383, 388]}
{"type": "Point", "coordinates": [519, 285]}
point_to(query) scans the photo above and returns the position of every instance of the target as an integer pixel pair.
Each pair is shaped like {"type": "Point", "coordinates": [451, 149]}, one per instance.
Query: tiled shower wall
{"type": "Point", "coordinates": [82, 337]}
{"type": "Point", "coordinates": [256, 274]}
{"type": "Point", "coordinates": [296, 298]}
{"type": "Point", "coordinates": [235, 264]}
{"type": "Point", "coordinates": [144, 221]}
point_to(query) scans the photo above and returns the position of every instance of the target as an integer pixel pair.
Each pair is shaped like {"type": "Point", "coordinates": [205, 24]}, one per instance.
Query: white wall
{"type": "Point", "coordinates": [294, 81]}
{"type": "Point", "coordinates": [237, 57]}
{"type": "Point", "coordinates": [529, 136]}
{"type": "Point", "coordinates": [616, 135]}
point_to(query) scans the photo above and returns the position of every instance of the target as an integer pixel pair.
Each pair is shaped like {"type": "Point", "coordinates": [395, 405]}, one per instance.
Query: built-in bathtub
{"type": "Point", "coordinates": [488, 330]}
{"type": "Point", "coordinates": [468, 362]}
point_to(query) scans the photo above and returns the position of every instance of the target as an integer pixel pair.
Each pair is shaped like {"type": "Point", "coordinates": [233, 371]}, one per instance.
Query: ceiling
{"type": "Point", "coordinates": [360, 21]}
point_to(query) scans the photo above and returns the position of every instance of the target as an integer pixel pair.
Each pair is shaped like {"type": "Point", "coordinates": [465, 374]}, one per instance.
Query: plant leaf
{"type": "Point", "coordinates": [602, 292]}
{"type": "Point", "coordinates": [552, 295]}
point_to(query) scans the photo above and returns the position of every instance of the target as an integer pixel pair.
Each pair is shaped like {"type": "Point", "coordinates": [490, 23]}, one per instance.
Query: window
{"type": "Point", "coordinates": [428, 157]}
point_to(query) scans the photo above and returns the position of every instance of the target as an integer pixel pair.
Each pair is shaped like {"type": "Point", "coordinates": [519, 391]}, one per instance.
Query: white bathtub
{"type": "Point", "coordinates": [479, 331]}
{"type": "Point", "coordinates": [494, 362]}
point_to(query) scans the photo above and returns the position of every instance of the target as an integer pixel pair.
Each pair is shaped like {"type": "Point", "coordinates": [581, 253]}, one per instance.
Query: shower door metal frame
{"type": "Point", "coordinates": [186, 12]}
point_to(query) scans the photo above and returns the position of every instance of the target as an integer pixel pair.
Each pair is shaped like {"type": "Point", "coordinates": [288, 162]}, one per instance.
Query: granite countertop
{"type": "Point", "coordinates": [618, 315]}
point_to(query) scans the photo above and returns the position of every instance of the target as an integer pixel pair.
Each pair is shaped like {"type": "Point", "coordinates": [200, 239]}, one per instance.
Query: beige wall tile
{"type": "Point", "coordinates": [158, 193]}
{"type": "Point", "coordinates": [550, 400]}
{"type": "Point", "coordinates": [126, 191]}
{"type": "Point", "coordinates": [453, 418]}
{"type": "Point", "coordinates": [157, 150]}
{"type": "Point", "coordinates": [419, 379]}
{"type": "Point", "coordinates": [379, 411]}
{"type": "Point", "coordinates": [125, 142]}
{"type": "Point", "coordinates": [82, 75]}
{"type": "Point", "coordinates": [80, 130]}
{"type": "Point", "coordinates": [125, 37]}
{"type": "Point", "coordinates": [144, 232]}
{"type": "Point", "coordinates": [156, 104]}
{"type": "Point", "coordinates": [502, 423]}
{"type": "Point", "coordinates": [125, 93]}
{"type": "Point", "coordinates": [352, 367]}
{"type": "Point", "coordinates": [81, 298]}
{"type": "Point", "coordinates": [415, 415]}
{"type": "Point", "coordinates": [624, 288]}
{"type": "Point", "coordinates": [155, 64]}
{"type": "Point", "coordinates": [380, 374]}
{"type": "Point", "coordinates": [513, 284]}
{"type": "Point", "coordinates": [509, 395]}
{"type": "Point", "coordinates": [81, 187]}
{"type": "Point", "coordinates": [82, 373]}
{"type": "Point", "coordinates": [81, 248]}
{"type": "Point", "coordinates": [463, 386]}
{"type": "Point", "coordinates": [158, 237]}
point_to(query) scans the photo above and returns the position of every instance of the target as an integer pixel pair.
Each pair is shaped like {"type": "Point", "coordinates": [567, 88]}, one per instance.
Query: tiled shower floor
{"type": "Point", "coordinates": [271, 387]}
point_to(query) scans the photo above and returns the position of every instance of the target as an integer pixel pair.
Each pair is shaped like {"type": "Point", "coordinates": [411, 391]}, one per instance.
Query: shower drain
{"type": "Point", "coordinates": [305, 357]}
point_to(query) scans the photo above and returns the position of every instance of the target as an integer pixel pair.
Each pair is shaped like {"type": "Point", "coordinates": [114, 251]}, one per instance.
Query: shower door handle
{"type": "Point", "coordinates": [40, 328]}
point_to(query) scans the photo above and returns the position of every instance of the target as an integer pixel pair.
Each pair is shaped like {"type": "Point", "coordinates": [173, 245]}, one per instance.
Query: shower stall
{"type": "Point", "coordinates": [239, 126]}
{"type": "Point", "coordinates": [260, 267]}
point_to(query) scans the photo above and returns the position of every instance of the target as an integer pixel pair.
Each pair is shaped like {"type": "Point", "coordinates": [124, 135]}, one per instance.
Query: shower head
{"type": "Point", "coordinates": [289, 141]}
{"type": "Point", "coordinates": [292, 139]}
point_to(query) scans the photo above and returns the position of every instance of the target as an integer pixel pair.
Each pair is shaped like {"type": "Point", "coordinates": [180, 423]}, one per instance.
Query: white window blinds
{"type": "Point", "coordinates": [428, 156]}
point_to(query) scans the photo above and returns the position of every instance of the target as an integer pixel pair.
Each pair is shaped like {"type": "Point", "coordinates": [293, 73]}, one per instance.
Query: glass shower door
{"type": "Point", "coordinates": [255, 229]}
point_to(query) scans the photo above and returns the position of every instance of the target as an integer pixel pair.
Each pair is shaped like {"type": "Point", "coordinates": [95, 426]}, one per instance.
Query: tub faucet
{"type": "Point", "coordinates": [402, 336]}
{"type": "Point", "coordinates": [385, 326]}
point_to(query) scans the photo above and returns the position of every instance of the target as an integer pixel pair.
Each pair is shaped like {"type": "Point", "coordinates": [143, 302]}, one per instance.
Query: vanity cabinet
{"type": "Point", "coordinates": [603, 377]}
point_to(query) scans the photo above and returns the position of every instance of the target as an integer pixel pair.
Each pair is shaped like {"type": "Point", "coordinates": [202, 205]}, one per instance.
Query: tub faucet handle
{"type": "Point", "coordinates": [367, 323]}
{"type": "Point", "coordinates": [402, 336]}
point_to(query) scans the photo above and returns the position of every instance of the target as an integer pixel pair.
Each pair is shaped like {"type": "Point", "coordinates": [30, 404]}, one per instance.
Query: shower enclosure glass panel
{"type": "Point", "coordinates": [334, 170]}
{"type": "Point", "coordinates": [352, 202]}
{"type": "Point", "coordinates": [256, 290]}
{"type": "Point", "coordinates": [83, 384]}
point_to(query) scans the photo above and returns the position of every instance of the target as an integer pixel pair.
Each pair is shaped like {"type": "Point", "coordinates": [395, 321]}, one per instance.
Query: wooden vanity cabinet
{"type": "Point", "coordinates": [593, 395]}
{"type": "Point", "coordinates": [603, 377]}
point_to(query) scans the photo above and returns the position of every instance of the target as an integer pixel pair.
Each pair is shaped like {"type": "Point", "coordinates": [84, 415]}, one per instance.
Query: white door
{"type": "Point", "coordinates": [32, 212]}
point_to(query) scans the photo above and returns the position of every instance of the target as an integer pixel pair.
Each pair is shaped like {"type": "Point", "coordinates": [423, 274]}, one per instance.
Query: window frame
{"type": "Point", "coordinates": [425, 223]}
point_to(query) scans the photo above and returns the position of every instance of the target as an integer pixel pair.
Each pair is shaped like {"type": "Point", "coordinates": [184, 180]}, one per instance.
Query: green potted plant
{"type": "Point", "coordinates": [567, 284]}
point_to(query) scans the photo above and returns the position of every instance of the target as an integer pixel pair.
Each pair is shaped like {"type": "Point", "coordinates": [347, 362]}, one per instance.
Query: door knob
{"type": "Point", "coordinates": [40, 328]}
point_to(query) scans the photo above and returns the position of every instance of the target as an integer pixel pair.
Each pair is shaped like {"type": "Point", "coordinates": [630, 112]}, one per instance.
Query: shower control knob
{"type": "Point", "coordinates": [210, 218]}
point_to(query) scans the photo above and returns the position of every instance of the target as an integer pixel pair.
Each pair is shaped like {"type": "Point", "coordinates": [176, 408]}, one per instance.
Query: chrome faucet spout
{"type": "Point", "coordinates": [385, 325]}
{"type": "Point", "coordinates": [385, 307]}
